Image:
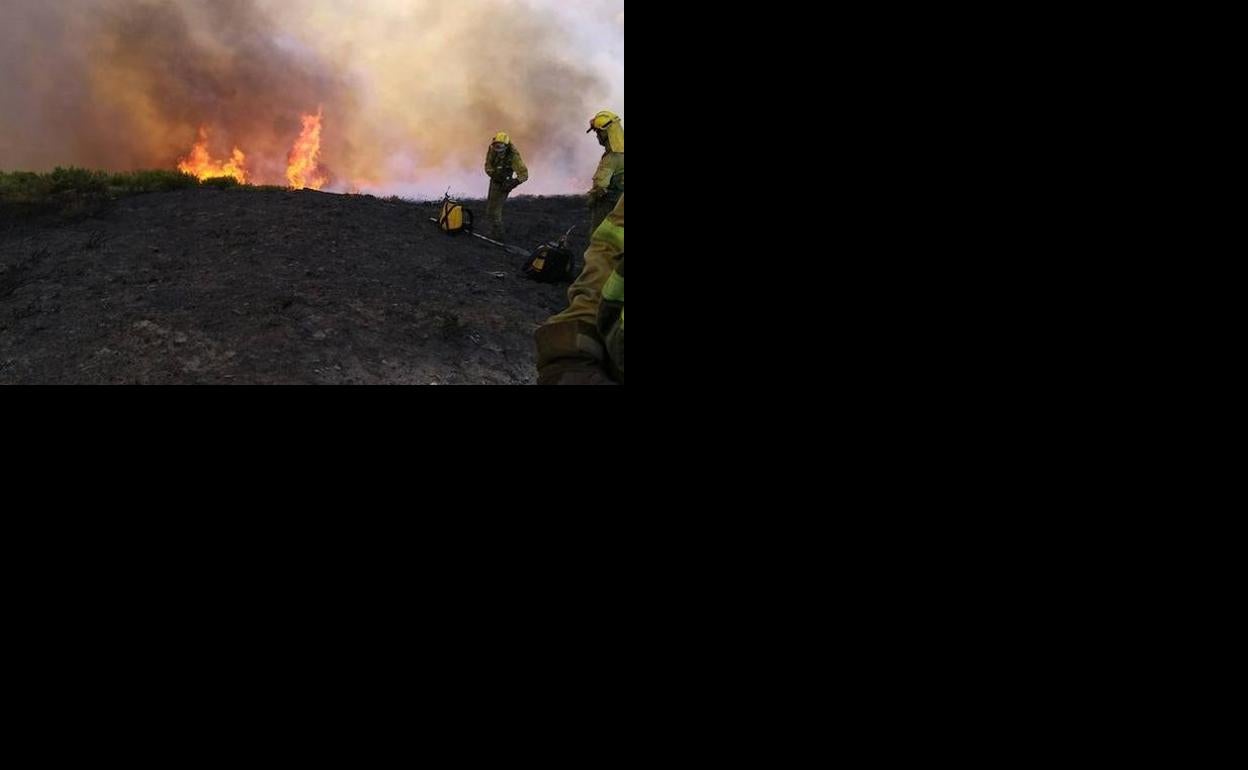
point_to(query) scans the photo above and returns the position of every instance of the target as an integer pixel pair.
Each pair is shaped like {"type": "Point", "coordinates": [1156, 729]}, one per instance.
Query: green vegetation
{"type": "Point", "coordinates": [75, 192]}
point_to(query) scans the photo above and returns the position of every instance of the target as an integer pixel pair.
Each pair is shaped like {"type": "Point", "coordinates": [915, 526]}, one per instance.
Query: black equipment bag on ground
{"type": "Point", "coordinates": [552, 262]}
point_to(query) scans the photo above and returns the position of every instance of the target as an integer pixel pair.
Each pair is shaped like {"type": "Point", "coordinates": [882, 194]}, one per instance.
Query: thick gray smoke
{"type": "Point", "coordinates": [411, 90]}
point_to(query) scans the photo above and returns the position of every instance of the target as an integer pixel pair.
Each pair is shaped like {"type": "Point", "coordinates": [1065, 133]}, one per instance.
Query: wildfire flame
{"type": "Point", "coordinates": [201, 165]}
{"type": "Point", "coordinates": [303, 169]}
{"type": "Point", "coordinates": [303, 164]}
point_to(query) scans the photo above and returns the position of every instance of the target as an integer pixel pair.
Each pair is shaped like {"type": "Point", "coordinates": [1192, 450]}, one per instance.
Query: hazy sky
{"type": "Point", "coordinates": [412, 90]}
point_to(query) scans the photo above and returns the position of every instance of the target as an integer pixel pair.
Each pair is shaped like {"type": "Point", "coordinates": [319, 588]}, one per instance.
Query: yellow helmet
{"type": "Point", "coordinates": [612, 124]}
{"type": "Point", "coordinates": [502, 138]}
{"type": "Point", "coordinates": [602, 120]}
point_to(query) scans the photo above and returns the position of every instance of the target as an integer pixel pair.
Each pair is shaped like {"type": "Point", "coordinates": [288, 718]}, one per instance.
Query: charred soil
{"type": "Point", "coordinates": [252, 286]}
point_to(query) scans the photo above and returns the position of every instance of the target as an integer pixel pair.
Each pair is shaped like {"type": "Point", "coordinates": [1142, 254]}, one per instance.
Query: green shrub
{"type": "Point", "coordinates": [224, 183]}
{"type": "Point", "coordinates": [134, 182]}
{"type": "Point", "coordinates": [73, 193]}
{"type": "Point", "coordinates": [79, 181]}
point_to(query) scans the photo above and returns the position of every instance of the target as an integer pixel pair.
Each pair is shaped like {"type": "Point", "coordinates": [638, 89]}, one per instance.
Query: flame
{"type": "Point", "coordinates": [303, 169]}
{"type": "Point", "coordinates": [201, 165]}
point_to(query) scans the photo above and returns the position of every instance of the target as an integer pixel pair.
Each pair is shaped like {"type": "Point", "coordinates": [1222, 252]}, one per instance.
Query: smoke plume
{"type": "Point", "coordinates": [411, 90]}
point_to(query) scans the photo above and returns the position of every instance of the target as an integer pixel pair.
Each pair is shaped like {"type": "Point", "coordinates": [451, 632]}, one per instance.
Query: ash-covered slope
{"type": "Point", "coordinates": [251, 286]}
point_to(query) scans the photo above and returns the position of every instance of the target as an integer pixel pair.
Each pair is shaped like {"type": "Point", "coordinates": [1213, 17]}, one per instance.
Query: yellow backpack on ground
{"type": "Point", "coordinates": [455, 217]}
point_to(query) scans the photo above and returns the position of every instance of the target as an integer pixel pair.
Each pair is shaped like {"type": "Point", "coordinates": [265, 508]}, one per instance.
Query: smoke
{"type": "Point", "coordinates": [412, 90]}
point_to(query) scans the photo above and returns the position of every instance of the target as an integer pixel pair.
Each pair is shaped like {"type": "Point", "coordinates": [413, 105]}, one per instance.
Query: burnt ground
{"type": "Point", "coordinates": [246, 286]}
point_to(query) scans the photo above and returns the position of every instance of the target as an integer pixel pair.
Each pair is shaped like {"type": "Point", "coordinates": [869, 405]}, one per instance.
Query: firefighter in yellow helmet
{"type": "Point", "coordinates": [502, 160]}
{"type": "Point", "coordinates": [609, 179]}
{"type": "Point", "coordinates": [584, 345]}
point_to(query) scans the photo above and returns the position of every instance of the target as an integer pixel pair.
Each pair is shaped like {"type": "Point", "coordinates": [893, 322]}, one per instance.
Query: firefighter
{"type": "Point", "coordinates": [609, 179]}
{"type": "Point", "coordinates": [506, 171]}
{"type": "Point", "coordinates": [584, 345]}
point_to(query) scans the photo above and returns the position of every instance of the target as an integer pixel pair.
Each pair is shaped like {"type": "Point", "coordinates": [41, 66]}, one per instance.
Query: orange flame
{"type": "Point", "coordinates": [303, 169]}
{"type": "Point", "coordinates": [200, 164]}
